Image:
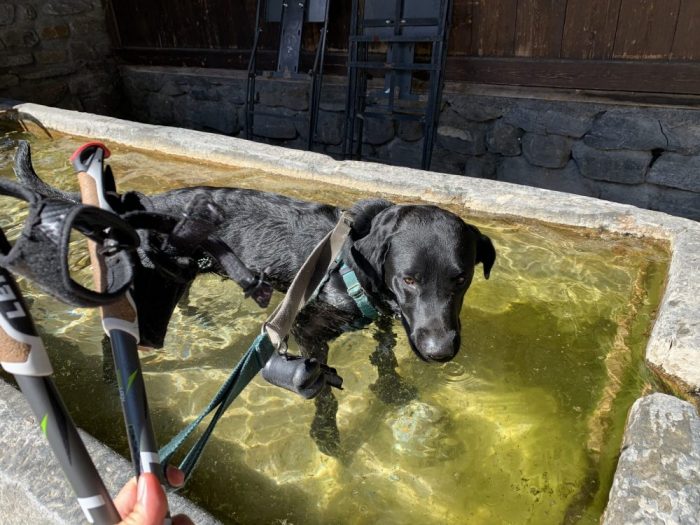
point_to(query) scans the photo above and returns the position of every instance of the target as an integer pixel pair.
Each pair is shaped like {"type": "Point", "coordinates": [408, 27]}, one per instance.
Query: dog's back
{"type": "Point", "coordinates": [268, 232]}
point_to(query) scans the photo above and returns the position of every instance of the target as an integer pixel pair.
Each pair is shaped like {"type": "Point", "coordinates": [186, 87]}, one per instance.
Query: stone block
{"type": "Point", "coordinates": [278, 93]}
{"type": "Point", "coordinates": [7, 14]}
{"type": "Point", "coordinates": [50, 57]}
{"type": "Point", "coordinates": [20, 38]}
{"type": "Point", "coordinates": [212, 116]}
{"type": "Point", "coordinates": [640, 195]}
{"type": "Point", "coordinates": [52, 71]}
{"type": "Point", "coordinates": [682, 131]}
{"type": "Point", "coordinates": [450, 118]}
{"type": "Point", "coordinates": [232, 92]}
{"type": "Point", "coordinates": [400, 153]}
{"type": "Point", "coordinates": [547, 151]}
{"type": "Point", "coordinates": [207, 94]}
{"type": "Point", "coordinates": [377, 131]}
{"type": "Point", "coordinates": [444, 160]}
{"type": "Point", "coordinates": [676, 171]}
{"type": "Point", "coordinates": [504, 139]}
{"type": "Point", "coordinates": [468, 139]}
{"type": "Point", "coordinates": [526, 118]}
{"type": "Point", "coordinates": [280, 127]}
{"type": "Point", "coordinates": [173, 87]}
{"type": "Point", "coordinates": [55, 32]}
{"type": "Point", "coordinates": [49, 93]}
{"type": "Point", "coordinates": [658, 472]}
{"type": "Point", "coordinates": [161, 110]}
{"type": "Point", "coordinates": [483, 167]}
{"type": "Point", "coordinates": [477, 108]}
{"type": "Point", "coordinates": [21, 59]}
{"type": "Point", "coordinates": [568, 179]}
{"type": "Point", "coordinates": [677, 202]}
{"type": "Point", "coordinates": [7, 81]}
{"type": "Point", "coordinates": [571, 121]}
{"type": "Point", "coordinates": [66, 7]}
{"type": "Point", "coordinates": [333, 97]}
{"type": "Point", "coordinates": [631, 129]}
{"type": "Point", "coordinates": [26, 12]}
{"type": "Point", "coordinates": [409, 130]}
{"type": "Point", "coordinates": [628, 167]}
{"type": "Point", "coordinates": [554, 118]}
{"type": "Point", "coordinates": [87, 52]}
{"type": "Point", "coordinates": [142, 81]}
{"type": "Point", "coordinates": [330, 128]}
{"type": "Point", "coordinates": [87, 82]}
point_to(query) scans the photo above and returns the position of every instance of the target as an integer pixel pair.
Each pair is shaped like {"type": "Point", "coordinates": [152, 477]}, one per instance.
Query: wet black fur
{"type": "Point", "coordinates": [275, 234]}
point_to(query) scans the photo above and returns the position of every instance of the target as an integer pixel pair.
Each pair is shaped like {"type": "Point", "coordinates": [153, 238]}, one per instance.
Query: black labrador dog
{"type": "Point", "coordinates": [414, 262]}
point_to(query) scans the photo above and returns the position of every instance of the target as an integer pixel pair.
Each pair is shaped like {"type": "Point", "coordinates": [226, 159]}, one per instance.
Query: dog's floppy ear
{"type": "Point", "coordinates": [485, 252]}
{"type": "Point", "coordinates": [363, 212]}
{"type": "Point", "coordinates": [375, 222]}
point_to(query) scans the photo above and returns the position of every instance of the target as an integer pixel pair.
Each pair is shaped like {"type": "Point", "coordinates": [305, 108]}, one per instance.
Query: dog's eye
{"type": "Point", "coordinates": [409, 280]}
{"type": "Point", "coordinates": [461, 279]}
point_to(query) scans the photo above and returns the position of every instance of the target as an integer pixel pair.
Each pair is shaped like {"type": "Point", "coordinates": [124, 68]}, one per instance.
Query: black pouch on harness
{"type": "Point", "coordinates": [303, 376]}
{"type": "Point", "coordinates": [41, 251]}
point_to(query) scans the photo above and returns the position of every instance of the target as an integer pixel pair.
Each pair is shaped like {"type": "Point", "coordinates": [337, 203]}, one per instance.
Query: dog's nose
{"type": "Point", "coordinates": [439, 347]}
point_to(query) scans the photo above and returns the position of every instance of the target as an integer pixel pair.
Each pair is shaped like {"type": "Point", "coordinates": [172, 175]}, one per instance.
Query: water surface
{"type": "Point", "coordinates": [522, 427]}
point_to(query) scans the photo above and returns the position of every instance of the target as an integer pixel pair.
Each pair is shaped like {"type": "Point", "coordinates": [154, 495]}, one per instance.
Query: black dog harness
{"type": "Point", "coordinates": [173, 251]}
{"type": "Point", "coordinates": [41, 251]}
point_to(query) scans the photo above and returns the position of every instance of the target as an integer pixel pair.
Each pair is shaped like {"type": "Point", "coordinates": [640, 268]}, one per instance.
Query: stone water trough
{"type": "Point", "coordinates": [658, 474]}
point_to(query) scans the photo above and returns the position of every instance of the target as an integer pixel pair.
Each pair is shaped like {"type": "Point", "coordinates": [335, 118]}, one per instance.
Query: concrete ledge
{"type": "Point", "coordinates": [33, 489]}
{"type": "Point", "coordinates": [674, 346]}
{"type": "Point", "coordinates": [658, 475]}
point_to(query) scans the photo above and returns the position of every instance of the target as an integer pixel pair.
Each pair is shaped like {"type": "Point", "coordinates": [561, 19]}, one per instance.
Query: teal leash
{"type": "Point", "coordinates": [261, 350]}
{"type": "Point", "coordinates": [247, 368]}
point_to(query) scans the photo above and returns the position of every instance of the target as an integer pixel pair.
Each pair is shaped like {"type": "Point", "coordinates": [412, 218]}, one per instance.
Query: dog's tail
{"type": "Point", "coordinates": [27, 176]}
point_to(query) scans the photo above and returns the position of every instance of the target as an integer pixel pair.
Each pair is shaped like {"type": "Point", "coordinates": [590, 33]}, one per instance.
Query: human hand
{"type": "Point", "coordinates": [145, 503]}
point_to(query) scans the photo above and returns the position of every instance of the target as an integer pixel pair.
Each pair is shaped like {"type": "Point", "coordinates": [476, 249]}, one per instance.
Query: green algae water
{"type": "Point", "coordinates": [522, 427]}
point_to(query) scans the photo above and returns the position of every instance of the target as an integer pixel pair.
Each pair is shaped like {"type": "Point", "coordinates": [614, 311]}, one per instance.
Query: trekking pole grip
{"type": "Point", "coordinates": [87, 160]}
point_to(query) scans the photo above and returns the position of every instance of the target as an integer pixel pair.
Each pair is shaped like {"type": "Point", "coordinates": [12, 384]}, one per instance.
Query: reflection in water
{"type": "Point", "coordinates": [522, 427]}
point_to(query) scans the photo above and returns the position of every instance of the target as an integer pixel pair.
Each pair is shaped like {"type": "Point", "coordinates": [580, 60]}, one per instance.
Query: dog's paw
{"type": "Point", "coordinates": [392, 389]}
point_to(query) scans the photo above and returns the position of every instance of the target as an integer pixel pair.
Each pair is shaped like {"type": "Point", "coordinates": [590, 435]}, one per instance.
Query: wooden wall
{"type": "Point", "coordinates": [629, 45]}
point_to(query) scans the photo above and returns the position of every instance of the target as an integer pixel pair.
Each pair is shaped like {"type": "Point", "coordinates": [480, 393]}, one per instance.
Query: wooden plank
{"type": "Point", "coordinates": [589, 30]}
{"type": "Point", "coordinates": [493, 27]}
{"type": "Point", "coordinates": [460, 38]}
{"type": "Point", "coordinates": [646, 29]}
{"type": "Point", "coordinates": [539, 28]}
{"type": "Point", "coordinates": [185, 23]}
{"type": "Point", "coordinates": [613, 75]}
{"type": "Point", "coordinates": [237, 59]}
{"type": "Point", "coordinates": [686, 41]}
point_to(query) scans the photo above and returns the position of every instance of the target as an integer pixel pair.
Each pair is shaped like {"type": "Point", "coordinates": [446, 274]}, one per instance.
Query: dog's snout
{"type": "Point", "coordinates": [435, 346]}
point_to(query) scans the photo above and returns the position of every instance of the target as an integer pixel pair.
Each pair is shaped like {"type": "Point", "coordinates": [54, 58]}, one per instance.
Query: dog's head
{"type": "Point", "coordinates": [422, 259]}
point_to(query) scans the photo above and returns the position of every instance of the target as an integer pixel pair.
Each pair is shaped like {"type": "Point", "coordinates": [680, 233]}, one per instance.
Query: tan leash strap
{"type": "Point", "coordinates": [310, 275]}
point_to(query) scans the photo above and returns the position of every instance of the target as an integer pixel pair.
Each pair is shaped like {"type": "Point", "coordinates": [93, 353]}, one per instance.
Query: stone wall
{"type": "Point", "coordinates": [645, 156]}
{"type": "Point", "coordinates": [58, 53]}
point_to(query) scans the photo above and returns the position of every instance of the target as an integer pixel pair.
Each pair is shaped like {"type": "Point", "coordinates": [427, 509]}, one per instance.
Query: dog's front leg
{"type": "Point", "coordinates": [389, 387]}
{"type": "Point", "coordinates": [324, 427]}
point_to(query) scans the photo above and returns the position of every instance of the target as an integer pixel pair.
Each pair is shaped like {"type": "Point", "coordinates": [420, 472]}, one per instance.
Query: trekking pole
{"type": "Point", "coordinates": [23, 355]}
{"type": "Point", "coordinates": [120, 323]}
